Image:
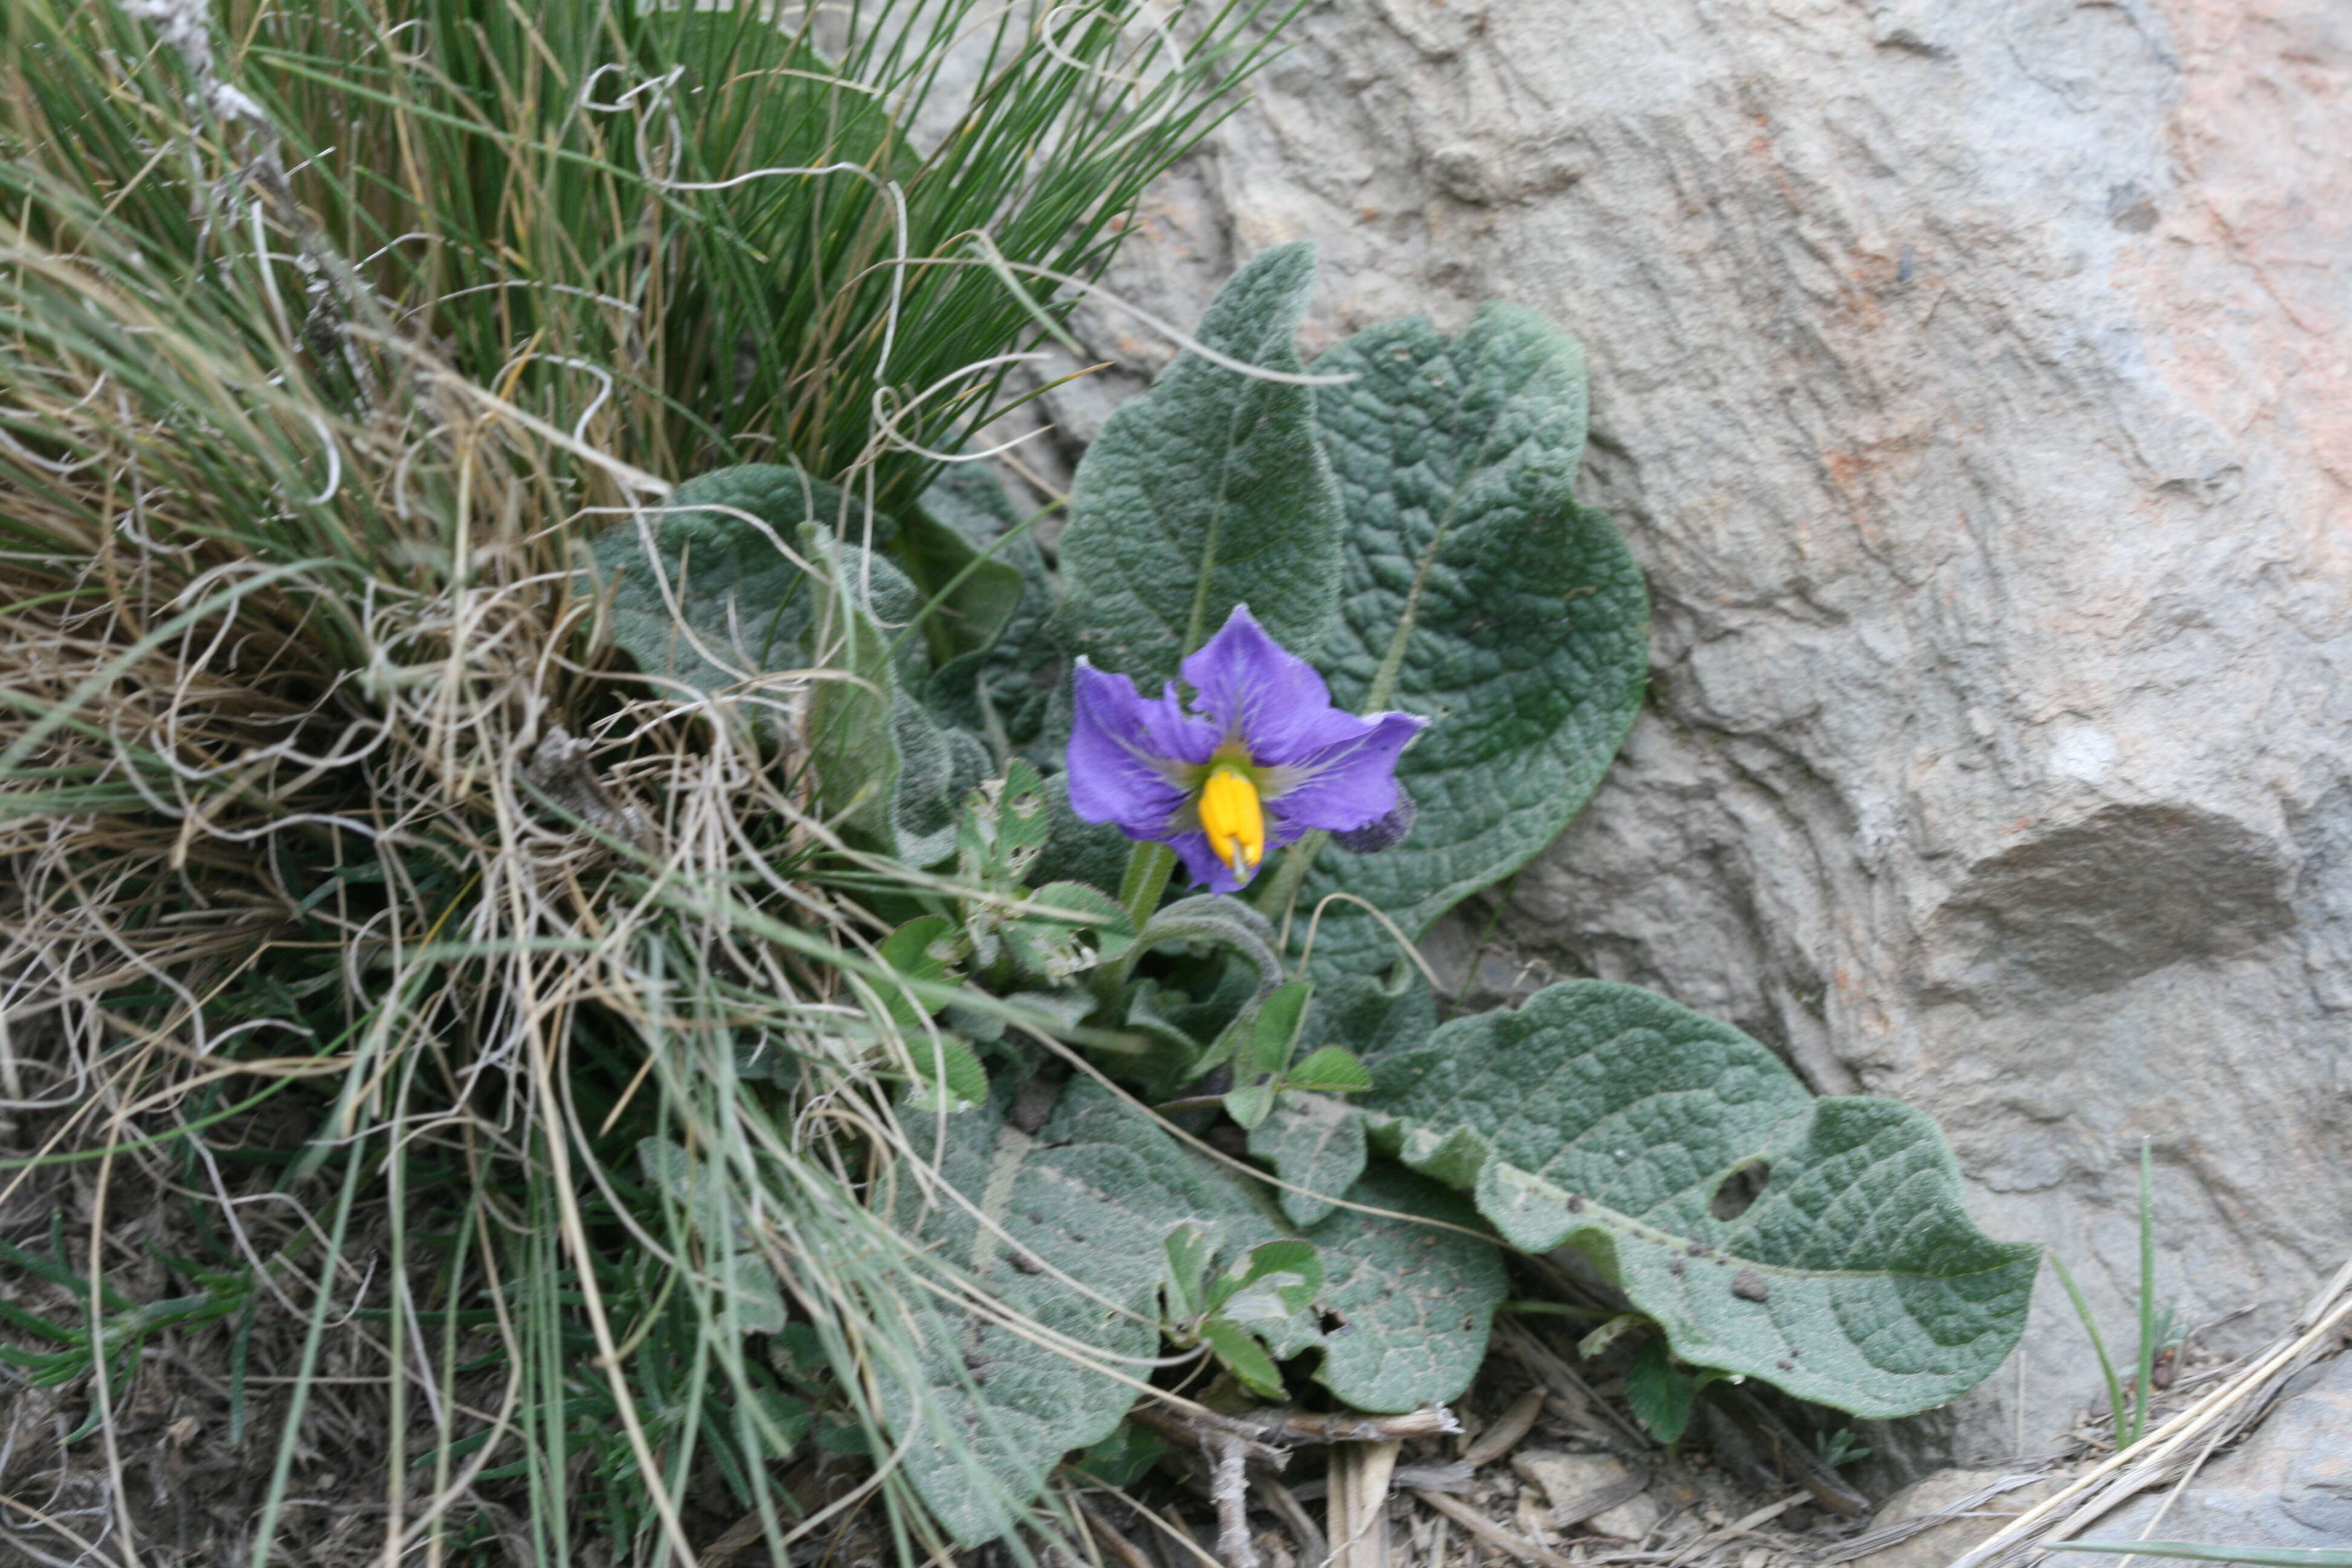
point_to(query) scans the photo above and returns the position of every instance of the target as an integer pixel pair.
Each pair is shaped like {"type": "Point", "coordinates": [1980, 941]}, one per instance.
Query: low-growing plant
{"type": "Point", "coordinates": [731, 1062]}
{"type": "Point", "coordinates": [1393, 656]}
{"type": "Point", "coordinates": [2128, 1404]}
{"type": "Point", "coordinates": [327, 332]}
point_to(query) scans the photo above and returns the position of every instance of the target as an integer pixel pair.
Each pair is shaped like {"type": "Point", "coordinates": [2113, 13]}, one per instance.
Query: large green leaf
{"type": "Point", "coordinates": [989, 1409]}
{"type": "Point", "coordinates": [1478, 594]}
{"type": "Point", "coordinates": [1210, 490]}
{"type": "Point", "coordinates": [710, 589]}
{"type": "Point", "coordinates": [746, 577]}
{"type": "Point", "coordinates": [1406, 1309]}
{"type": "Point", "coordinates": [996, 661]}
{"type": "Point", "coordinates": [1605, 1118]}
{"type": "Point", "coordinates": [889, 775]}
{"type": "Point", "coordinates": [1314, 1143]}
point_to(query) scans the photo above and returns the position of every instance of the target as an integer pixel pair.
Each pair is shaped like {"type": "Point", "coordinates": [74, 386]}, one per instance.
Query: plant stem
{"type": "Point", "coordinates": [2145, 1390]}
{"type": "Point", "coordinates": [1148, 866]}
{"type": "Point", "coordinates": [2090, 1327]}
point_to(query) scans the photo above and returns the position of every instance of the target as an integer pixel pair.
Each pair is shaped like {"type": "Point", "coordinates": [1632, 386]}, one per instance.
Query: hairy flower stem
{"type": "Point", "coordinates": [1230, 1491]}
{"type": "Point", "coordinates": [1148, 866]}
{"type": "Point", "coordinates": [1282, 889]}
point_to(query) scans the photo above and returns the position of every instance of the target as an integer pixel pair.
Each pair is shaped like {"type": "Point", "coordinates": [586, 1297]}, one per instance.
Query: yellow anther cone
{"type": "Point", "coordinates": [1233, 820]}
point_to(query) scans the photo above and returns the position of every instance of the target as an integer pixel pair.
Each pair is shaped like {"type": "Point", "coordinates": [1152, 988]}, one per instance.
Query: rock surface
{"type": "Point", "coordinates": [1947, 1491]}
{"type": "Point", "coordinates": [1598, 1490]}
{"type": "Point", "coordinates": [2290, 1484]}
{"type": "Point", "coordinates": [1975, 384]}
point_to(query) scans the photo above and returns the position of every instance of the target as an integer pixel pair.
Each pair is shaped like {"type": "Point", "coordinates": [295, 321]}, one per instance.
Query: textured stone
{"type": "Point", "coordinates": [2289, 1484]}
{"type": "Point", "coordinates": [1975, 385]}
{"type": "Point", "coordinates": [1600, 1491]}
{"type": "Point", "coordinates": [1943, 1492]}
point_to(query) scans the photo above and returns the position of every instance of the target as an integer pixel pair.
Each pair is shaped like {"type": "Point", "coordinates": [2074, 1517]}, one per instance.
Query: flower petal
{"type": "Point", "coordinates": [1127, 751]}
{"type": "Point", "coordinates": [1346, 784]}
{"type": "Point", "coordinates": [1254, 687]}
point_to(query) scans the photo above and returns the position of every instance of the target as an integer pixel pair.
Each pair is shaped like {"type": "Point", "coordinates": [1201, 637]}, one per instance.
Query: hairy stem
{"type": "Point", "coordinates": [1230, 1491]}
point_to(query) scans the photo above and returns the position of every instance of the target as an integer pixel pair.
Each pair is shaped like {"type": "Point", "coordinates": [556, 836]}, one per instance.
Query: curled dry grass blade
{"type": "Point", "coordinates": [328, 332]}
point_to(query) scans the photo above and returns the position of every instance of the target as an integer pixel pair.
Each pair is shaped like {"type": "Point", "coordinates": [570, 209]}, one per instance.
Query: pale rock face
{"type": "Point", "coordinates": [1958, 1493]}
{"type": "Point", "coordinates": [2289, 1485]}
{"type": "Point", "coordinates": [1974, 383]}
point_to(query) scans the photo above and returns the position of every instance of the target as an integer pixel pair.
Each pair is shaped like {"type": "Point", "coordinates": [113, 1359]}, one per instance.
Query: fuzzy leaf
{"type": "Point", "coordinates": [1226, 922]}
{"type": "Point", "coordinates": [1010, 674]}
{"type": "Point", "coordinates": [992, 1411]}
{"type": "Point", "coordinates": [1311, 1142]}
{"type": "Point", "coordinates": [1237, 1350]}
{"type": "Point", "coordinates": [889, 775]}
{"type": "Point", "coordinates": [726, 552]}
{"type": "Point", "coordinates": [1413, 1304]}
{"type": "Point", "coordinates": [1208, 491]}
{"type": "Point", "coordinates": [1608, 1119]}
{"type": "Point", "coordinates": [740, 583]}
{"type": "Point", "coordinates": [1660, 1392]}
{"type": "Point", "coordinates": [1331, 1069]}
{"type": "Point", "coordinates": [1510, 617]}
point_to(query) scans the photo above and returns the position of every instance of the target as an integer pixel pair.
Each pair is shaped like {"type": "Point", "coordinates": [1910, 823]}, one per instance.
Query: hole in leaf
{"type": "Point", "coordinates": [1739, 1190]}
{"type": "Point", "coordinates": [1330, 1321]}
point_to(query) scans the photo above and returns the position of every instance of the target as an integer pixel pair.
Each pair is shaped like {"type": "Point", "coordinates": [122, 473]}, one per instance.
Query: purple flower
{"type": "Point", "coordinates": [1261, 759]}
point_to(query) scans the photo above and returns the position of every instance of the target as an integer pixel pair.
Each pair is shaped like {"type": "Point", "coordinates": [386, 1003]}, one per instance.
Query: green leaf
{"type": "Point", "coordinates": [739, 583]}
{"type": "Point", "coordinates": [1478, 594]}
{"type": "Point", "coordinates": [1592, 1346]}
{"type": "Point", "coordinates": [1605, 1118]}
{"type": "Point", "coordinates": [1077, 850]}
{"type": "Point", "coordinates": [1412, 1304]}
{"type": "Point", "coordinates": [1251, 1104]}
{"type": "Point", "coordinates": [1275, 1027]}
{"type": "Point", "coordinates": [970, 598]}
{"type": "Point", "coordinates": [1122, 1459]}
{"type": "Point", "coordinates": [1209, 490]}
{"type": "Point", "coordinates": [749, 1299]}
{"type": "Point", "coordinates": [989, 1409]}
{"type": "Point", "coordinates": [1235, 1210]}
{"type": "Point", "coordinates": [1330, 1070]}
{"type": "Point", "coordinates": [1061, 930]}
{"type": "Point", "coordinates": [1224, 922]}
{"type": "Point", "coordinates": [1159, 1054]}
{"type": "Point", "coordinates": [1371, 1014]}
{"type": "Point", "coordinates": [889, 775]}
{"type": "Point", "coordinates": [720, 596]}
{"type": "Point", "coordinates": [1189, 1290]}
{"type": "Point", "coordinates": [915, 950]}
{"type": "Point", "coordinates": [953, 1078]}
{"type": "Point", "coordinates": [1276, 1281]}
{"type": "Point", "coordinates": [1661, 1394]}
{"type": "Point", "coordinates": [1004, 828]}
{"type": "Point", "coordinates": [1238, 1351]}
{"type": "Point", "coordinates": [1011, 677]}
{"type": "Point", "coordinates": [1311, 1142]}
